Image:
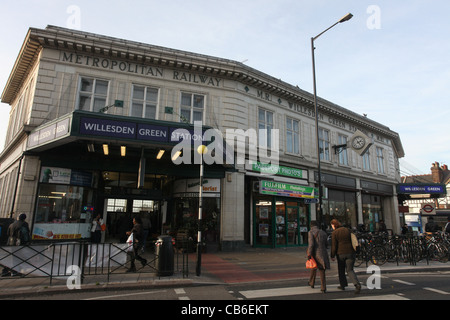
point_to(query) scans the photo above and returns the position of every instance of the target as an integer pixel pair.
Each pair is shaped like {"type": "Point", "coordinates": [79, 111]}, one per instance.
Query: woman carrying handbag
{"type": "Point", "coordinates": [317, 249]}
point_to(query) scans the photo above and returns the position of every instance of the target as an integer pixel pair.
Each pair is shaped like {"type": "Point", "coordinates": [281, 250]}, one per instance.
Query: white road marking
{"type": "Point", "coordinates": [125, 295]}
{"type": "Point", "coordinates": [437, 291]}
{"type": "Point", "coordinates": [405, 282]}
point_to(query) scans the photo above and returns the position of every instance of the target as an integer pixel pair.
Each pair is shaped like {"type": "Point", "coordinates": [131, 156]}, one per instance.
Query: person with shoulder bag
{"type": "Point", "coordinates": [341, 246]}
{"type": "Point", "coordinates": [19, 232]}
{"type": "Point", "coordinates": [317, 250]}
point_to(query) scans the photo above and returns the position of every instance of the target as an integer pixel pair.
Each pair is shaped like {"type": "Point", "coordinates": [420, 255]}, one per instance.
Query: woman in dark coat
{"type": "Point", "coordinates": [317, 248]}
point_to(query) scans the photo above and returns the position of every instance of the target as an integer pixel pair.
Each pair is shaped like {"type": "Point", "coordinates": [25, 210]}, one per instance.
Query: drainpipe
{"type": "Point", "coordinates": [16, 187]}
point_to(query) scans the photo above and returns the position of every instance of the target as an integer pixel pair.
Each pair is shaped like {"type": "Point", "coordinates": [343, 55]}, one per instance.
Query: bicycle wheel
{"type": "Point", "coordinates": [378, 255]}
{"type": "Point", "coordinates": [438, 252]}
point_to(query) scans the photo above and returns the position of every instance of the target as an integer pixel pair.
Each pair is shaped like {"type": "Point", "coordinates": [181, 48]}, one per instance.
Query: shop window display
{"type": "Point", "coordinates": [63, 212]}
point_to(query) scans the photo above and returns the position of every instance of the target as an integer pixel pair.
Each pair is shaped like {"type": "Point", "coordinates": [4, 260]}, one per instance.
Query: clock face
{"type": "Point", "coordinates": [358, 142]}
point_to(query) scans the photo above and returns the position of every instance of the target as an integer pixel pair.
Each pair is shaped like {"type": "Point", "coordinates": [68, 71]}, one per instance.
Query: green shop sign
{"type": "Point", "coordinates": [287, 190]}
{"type": "Point", "coordinates": [280, 170]}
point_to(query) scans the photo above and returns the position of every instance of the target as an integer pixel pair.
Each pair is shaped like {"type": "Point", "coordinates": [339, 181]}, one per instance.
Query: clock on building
{"type": "Point", "coordinates": [360, 142]}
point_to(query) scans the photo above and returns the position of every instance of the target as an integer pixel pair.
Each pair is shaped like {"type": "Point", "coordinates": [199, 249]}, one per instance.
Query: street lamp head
{"type": "Point", "coordinates": [347, 17]}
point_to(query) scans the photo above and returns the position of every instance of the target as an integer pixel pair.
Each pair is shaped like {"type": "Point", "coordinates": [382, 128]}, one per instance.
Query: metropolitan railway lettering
{"type": "Point", "coordinates": [113, 65]}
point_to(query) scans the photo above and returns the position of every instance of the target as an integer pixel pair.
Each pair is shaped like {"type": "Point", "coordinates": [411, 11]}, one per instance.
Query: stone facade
{"type": "Point", "coordinates": [45, 85]}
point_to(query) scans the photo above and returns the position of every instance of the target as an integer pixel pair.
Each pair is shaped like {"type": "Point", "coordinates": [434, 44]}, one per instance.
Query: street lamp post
{"type": "Point", "coordinates": [202, 149]}
{"type": "Point", "coordinates": [319, 213]}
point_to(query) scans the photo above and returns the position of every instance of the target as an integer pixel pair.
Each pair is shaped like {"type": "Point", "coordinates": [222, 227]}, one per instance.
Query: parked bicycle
{"type": "Point", "coordinates": [371, 248]}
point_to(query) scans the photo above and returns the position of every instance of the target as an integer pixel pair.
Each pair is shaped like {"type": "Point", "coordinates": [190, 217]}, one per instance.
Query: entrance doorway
{"type": "Point", "coordinates": [119, 214]}
{"type": "Point", "coordinates": [280, 223]}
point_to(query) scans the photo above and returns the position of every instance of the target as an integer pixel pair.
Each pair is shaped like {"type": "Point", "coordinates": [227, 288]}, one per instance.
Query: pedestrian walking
{"type": "Point", "coordinates": [18, 235]}
{"type": "Point", "coordinates": [137, 232]}
{"type": "Point", "coordinates": [96, 230]}
{"type": "Point", "coordinates": [317, 248]}
{"type": "Point", "coordinates": [342, 248]}
{"type": "Point", "coordinates": [19, 232]}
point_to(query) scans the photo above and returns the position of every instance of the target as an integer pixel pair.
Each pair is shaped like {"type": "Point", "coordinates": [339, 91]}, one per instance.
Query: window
{"type": "Point", "coordinates": [343, 157]}
{"type": "Point", "coordinates": [142, 205]}
{"type": "Point", "coordinates": [144, 102]}
{"type": "Point", "coordinates": [366, 161]}
{"type": "Point", "coordinates": [117, 205]}
{"type": "Point", "coordinates": [93, 94]}
{"type": "Point", "coordinates": [292, 136]}
{"type": "Point", "coordinates": [324, 144]}
{"type": "Point", "coordinates": [62, 203]}
{"type": "Point", "coordinates": [380, 160]}
{"type": "Point", "coordinates": [265, 126]}
{"type": "Point", "coordinates": [192, 107]}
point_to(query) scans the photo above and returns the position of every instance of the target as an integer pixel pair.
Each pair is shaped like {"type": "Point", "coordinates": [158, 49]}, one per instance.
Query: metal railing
{"type": "Point", "coordinates": [103, 259]}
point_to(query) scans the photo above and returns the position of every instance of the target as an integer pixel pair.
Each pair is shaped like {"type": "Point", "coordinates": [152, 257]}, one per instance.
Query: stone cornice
{"type": "Point", "coordinates": [145, 54]}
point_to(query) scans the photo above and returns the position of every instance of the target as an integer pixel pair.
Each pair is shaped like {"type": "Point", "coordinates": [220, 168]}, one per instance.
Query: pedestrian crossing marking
{"type": "Point", "coordinates": [383, 297]}
{"type": "Point", "coordinates": [291, 291]}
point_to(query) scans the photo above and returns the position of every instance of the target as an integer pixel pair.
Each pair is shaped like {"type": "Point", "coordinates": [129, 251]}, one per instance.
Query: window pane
{"type": "Point", "coordinates": [101, 87]}
{"type": "Point", "coordinates": [186, 115]}
{"type": "Point", "coordinates": [138, 93]}
{"type": "Point", "coordinates": [152, 95]}
{"type": "Point", "coordinates": [98, 104]}
{"type": "Point", "coordinates": [296, 144]}
{"type": "Point", "coordinates": [186, 99]}
{"type": "Point", "coordinates": [85, 103]}
{"type": "Point", "coordinates": [296, 126]}
{"type": "Point", "coordinates": [198, 116]}
{"type": "Point", "coordinates": [289, 124]}
{"type": "Point", "coordinates": [269, 117]}
{"type": "Point", "coordinates": [136, 110]}
{"type": "Point", "coordinates": [289, 141]}
{"type": "Point", "coordinates": [262, 115]}
{"type": "Point", "coordinates": [150, 111]}
{"type": "Point", "coordinates": [198, 101]}
{"type": "Point", "coordinates": [87, 84]}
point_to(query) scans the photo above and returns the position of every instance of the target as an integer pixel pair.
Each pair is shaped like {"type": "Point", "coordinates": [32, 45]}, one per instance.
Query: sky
{"type": "Point", "coordinates": [390, 61]}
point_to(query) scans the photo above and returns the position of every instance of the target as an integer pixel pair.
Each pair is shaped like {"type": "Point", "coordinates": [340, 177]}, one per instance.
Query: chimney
{"type": "Point", "coordinates": [444, 167]}
{"type": "Point", "coordinates": [436, 173]}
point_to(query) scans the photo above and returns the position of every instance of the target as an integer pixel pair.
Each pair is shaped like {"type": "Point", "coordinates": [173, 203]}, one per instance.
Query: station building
{"type": "Point", "coordinates": [95, 124]}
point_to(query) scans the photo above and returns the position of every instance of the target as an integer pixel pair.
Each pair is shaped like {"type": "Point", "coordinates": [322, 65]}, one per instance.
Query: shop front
{"type": "Point", "coordinates": [86, 173]}
{"type": "Point", "coordinates": [185, 209]}
{"type": "Point", "coordinates": [376, 199]}
{"type": "Point", "coordinates": [64, 208]}
{"type": "Point", "coordinates": [281, 214]}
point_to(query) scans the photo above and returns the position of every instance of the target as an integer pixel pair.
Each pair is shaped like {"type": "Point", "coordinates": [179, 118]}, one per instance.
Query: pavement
{"type": "Point", "coordinates": [247, 266]}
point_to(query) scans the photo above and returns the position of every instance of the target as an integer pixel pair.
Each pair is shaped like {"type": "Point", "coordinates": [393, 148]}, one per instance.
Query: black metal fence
{"type": "Point", "coordinates": [88, 259]}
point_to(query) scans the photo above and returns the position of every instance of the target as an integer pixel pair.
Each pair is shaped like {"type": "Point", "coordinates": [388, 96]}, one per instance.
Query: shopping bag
{"type": "Point", "coordinates": [311, 263]}
{"type": "Point", "coordinates": [130, 243]}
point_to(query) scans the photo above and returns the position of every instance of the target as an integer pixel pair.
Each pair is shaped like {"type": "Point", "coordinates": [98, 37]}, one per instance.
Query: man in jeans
{"type": "Point", "coordinates": [341, 246]}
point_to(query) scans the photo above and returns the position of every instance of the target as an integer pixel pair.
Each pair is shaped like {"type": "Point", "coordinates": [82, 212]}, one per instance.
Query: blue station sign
{"type": "Point", "coordinates": [418, 188]}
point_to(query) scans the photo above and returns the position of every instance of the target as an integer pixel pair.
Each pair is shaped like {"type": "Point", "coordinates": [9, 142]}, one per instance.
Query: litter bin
{"type": "Point", "coordinates": [164, 256]}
